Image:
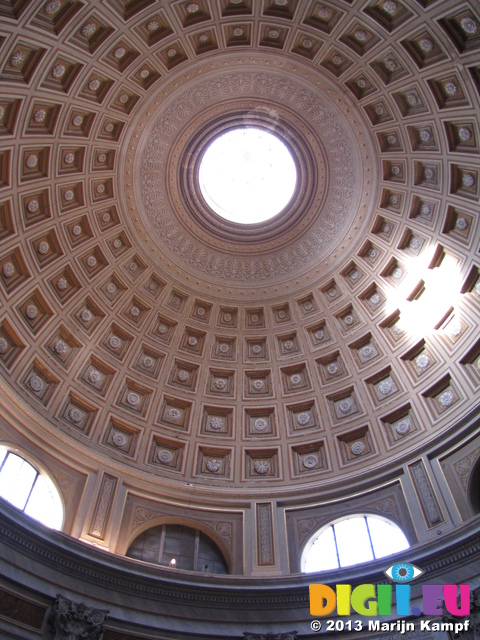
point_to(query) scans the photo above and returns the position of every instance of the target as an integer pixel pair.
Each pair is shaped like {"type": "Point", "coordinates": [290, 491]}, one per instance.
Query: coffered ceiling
{"type": "Point", "coordinates": [144, 334]}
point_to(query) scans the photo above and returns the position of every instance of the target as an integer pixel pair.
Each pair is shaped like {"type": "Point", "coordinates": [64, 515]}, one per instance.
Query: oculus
{"type": "Point", "coordinates": [247, 175]}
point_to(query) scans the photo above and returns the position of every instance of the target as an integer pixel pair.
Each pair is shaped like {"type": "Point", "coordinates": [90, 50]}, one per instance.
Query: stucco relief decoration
{"type": "Point", "coordinates": [334, 134]}
{"type": "Point", "coordinates": [223, 529]}
{"type": "Point", "coordinates": [264, 533]}
{"type": "Point", "coordinates": [306, 526]}
{"type": "Point", "coordinates": [65, 483]}
{"type": "Point", "coordinates": [213, 465]}
{"type": "Point", "coordinates": [261, 467]}
{"type": "Point", "coordinates": [142, 515]}
{"type": "Point", "coordinates": [464, 467]}
{"type": "Point", "coordinates": [75, 621]}
{"type": "Point", "coordinates": [387, 507]}
{"type": "Point", "coordinates": [103, 506]}
{"type": "Point", "coordinates": [426, 494]}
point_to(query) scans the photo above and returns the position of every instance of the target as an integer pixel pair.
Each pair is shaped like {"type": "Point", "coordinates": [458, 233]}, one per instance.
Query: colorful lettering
{"type": "Point", "coordinates": [322, 600]}
{"type": "Point", "coordinates": [370, 600]}
{"type": "Point", "coordinates": [450, 594]}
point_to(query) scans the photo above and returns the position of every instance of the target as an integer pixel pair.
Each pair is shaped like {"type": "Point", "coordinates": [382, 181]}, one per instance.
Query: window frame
{"type": "Point", "coordinates": [311, 540]}
{"type": "Point", "coordinates": [165, 557]}
{"type": "Point", "coordinates": [40, 471]}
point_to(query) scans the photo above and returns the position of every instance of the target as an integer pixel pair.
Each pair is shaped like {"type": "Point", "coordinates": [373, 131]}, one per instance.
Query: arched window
{"type": "Point", "coordinates": [352, 540]}
{"type": "Point", "coordinates": [174, 545]}
{"type": "Point", "coordinates": [474, 488]}
{"type": "Point", "coordinates": [29, 490]}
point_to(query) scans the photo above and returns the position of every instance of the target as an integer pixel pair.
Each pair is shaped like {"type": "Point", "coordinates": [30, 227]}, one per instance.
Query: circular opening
{"type": "Point", "coordinates": [247, 175]}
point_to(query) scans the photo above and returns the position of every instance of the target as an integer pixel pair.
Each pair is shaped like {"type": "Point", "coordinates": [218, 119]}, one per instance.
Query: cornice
{"type": "Point", "coordinates": [457, 552]}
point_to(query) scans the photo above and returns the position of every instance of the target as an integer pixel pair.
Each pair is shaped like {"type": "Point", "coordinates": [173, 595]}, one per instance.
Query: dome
{"type": "Point", "coordinates": [255, 379]}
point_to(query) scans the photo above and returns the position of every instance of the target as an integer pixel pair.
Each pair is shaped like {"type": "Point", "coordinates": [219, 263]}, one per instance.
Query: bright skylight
{"type": "Point", "coordinates": [247, 175]}
{"type": "Point", "coordinates": [352, 541]}
{"type": "Point", "coordinates": [24, 487]}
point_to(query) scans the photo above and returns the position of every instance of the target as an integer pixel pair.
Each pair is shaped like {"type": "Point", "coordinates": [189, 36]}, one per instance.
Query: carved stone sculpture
{"type": "Point", "coordinates": [75, 621]}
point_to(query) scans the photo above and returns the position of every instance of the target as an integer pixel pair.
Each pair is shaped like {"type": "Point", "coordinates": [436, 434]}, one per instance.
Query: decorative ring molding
{"type": "Point", "coordinates": [263, 117]}
{"type": "Point", "coordinates": [315, 116]}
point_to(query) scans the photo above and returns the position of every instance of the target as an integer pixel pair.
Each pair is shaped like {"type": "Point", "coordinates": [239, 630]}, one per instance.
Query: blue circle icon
{"type": "Point", "coordinates": [403, 572]}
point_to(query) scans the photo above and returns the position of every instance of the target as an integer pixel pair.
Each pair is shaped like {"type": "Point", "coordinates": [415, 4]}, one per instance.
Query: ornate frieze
{"type": "Point", "coordinates": [338, 185]}
{"type": "Point", "coordinates": [426, 494]}
{"type": "Point", "coordinates": [464, 467]}
{"type": "Point", "coordinates": [103, 506]}
{"type": "Point", "coordinates": [266, 554]}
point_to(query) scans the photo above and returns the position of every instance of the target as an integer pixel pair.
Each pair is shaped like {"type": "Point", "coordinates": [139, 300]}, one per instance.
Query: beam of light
{"type": "Point", "coordinates": [441, 292]}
